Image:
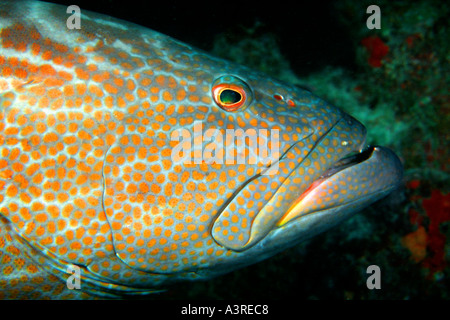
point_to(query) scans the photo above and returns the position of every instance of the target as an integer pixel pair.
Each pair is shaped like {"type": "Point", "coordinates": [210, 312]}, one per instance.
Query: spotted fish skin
{"type": "Point", "coordinates": [87, 175]}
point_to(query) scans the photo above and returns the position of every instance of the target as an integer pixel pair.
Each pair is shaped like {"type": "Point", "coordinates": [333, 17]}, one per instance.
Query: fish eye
{"type": "Point", "coordinates": [229, 96]}
{"type": "Point", "coordinates": [231, 93]}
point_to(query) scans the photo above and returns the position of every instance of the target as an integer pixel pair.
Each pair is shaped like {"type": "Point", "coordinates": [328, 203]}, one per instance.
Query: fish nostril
{"type": "Point", "coordinates": [278, 97]}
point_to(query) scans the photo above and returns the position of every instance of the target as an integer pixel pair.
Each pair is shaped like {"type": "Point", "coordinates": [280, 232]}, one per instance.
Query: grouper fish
{"type": "Point", "coordinates": [130, 161]}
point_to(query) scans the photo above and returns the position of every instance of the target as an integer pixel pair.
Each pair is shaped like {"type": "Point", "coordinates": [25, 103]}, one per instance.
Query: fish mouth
{"type": "Point", "coordinates": [355, 180]}
{"type": "Point", "coordinates": [348, 161]}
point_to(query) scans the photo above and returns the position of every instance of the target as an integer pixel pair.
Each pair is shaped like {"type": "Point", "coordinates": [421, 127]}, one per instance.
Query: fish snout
{"type": "Point", "coordinates": [357, 131]}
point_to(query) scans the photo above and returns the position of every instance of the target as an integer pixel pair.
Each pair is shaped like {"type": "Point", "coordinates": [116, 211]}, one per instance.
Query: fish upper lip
{"type": "Point", "coordinates": [348, 161]}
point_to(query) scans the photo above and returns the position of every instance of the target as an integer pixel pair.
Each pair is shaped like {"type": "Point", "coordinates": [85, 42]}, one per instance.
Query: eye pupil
{"type": "Point", "coordinates": [228, 96]}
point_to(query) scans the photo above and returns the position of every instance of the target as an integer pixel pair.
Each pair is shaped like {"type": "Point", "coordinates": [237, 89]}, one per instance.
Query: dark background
{"type": "Point", "coordinates": [308, 32]}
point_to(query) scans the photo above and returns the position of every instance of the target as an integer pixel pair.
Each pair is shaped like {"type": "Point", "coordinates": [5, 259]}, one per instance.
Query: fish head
{"type": "Point", "coordinates": [311, 166]}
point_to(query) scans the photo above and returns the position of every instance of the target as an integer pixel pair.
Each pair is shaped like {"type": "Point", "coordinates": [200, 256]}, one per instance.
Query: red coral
{"type": "Point", "coordinates": [413, 184]}
{"type": "Point", "coordinates": [414, 217]}
{"type": "Point", "coordinates": [437, 208]}
{"type": "Point", "coordinates": [438, 211]}
{"type": "Point", "coordinates": [377, 50]}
